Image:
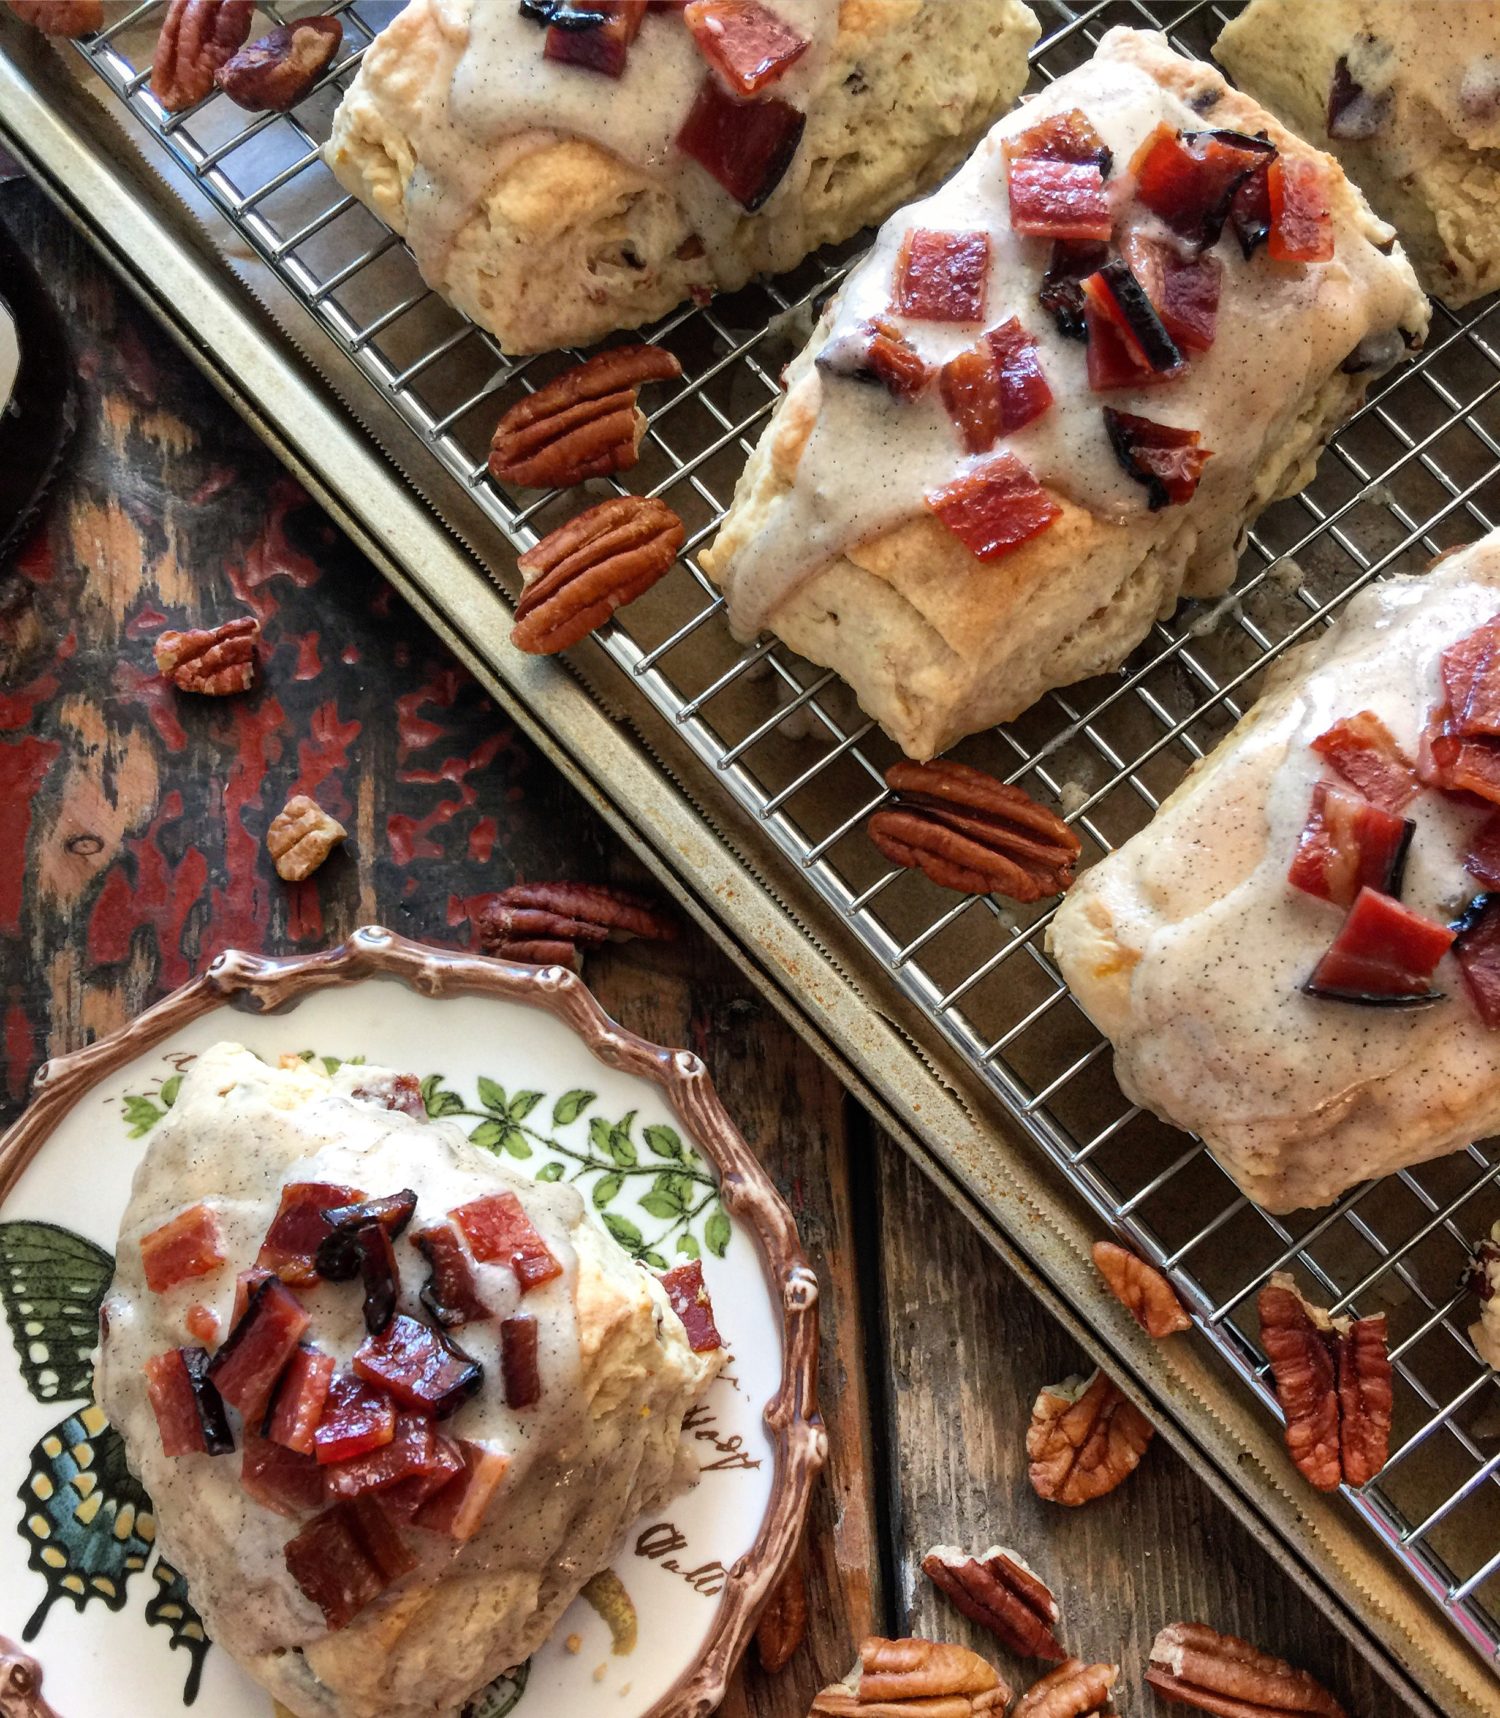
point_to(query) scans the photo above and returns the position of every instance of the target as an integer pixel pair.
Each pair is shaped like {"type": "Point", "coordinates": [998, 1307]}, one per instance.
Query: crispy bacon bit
{"type": "Point", "coordinates": [203, 1322]}
{"type": "Point", "coordinates": [356, 1419]}
{"type": "Point", "coordinates": [299, 1228]}
{"type": "Point", "coordinates": [1364, 751]}
{"type": "Point", "coordinates": [1477, 949]}
{"type": "Point", "coordinates": [1349, 844]}
{"type": "Point", "coordinates": [393, 1213]}
{"type": "Point", "coordinates": [497, 1227]}
{"type": "Point", "coordinates": [451, 1293]}
{"type": "Point", "coordinates": [1301, 221]}
{"type": "Point", "coordinates": [407, 1496]}
{"type": "Point", "coordinates": [188, 1246]}
{"type": "Point", "coordinates": [246, 1368]}
{"type": "Point", "coordinates": [1250, 211]}
{"type": "Point", "coordinates": [744, 42]}
{"type": "Point", "coordinates": [518, 1362]}
{"type": "Point", "coordinates": [1128, 346]}
{"type": "Point", "coordinates": [603, 46]}
{"type": "Point", "coordinates": [1061, 293]}
{"type": "Point", "coordinates": [1190, 178]}
{"type": "Point", "coordinates": [1449, 760]}
{"type": "Point", "coordinates": [1384, 956]}
{"type": "Point", "coordinates": [877, 351]}
{"type": "Point", "coordinates": [458, 1509]}
{"type": "Point", "coordinates": [943, 277]}
{"type": "Point", "coordinates": [245, 1285]}
{"type": "Point", "coordinates": [1471, 678]}
{"type": "Point", "coordinates": [1058, 200]}
{"type": "Point", "coordinates": [366, 1252]}
{"type": "Point", "coordinates": [1062, 137]}
{"type": "Point", "coordinates": [1483, 861]}
{"type": "Point", "coordinates": [345, 1559]}
{"type": "Point", "coordinates": [408, 1455]}
{"type": "Point", "coordinates": [297, 1407]}
{"type": "Point", "coordinates": [994, 388]}
{"type": "Point", "coordinates": [746, 145]}
{"type": "Point", "coordinates": [400, 1092]}
{"type": "Point", "coordinates": [1183, 290]}
{"type": "Point", "coordinates": [1167, 460]}
{"type": "Point", "coordinates": [690, 1301]}
{"type": "Point", "coordinates": [420, 1367]}
{"type": "Point", "coordinates": [189, 1414]}
{"type": "Point", "coordinates": [995, 507]}
{"type": "Point", "coordinates": [280, 1478]}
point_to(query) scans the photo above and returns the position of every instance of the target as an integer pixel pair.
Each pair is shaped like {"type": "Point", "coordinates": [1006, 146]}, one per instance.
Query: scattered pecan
{"type": "Point", "coordinates": [213, 661]}
{"type": "Point", "coordinates": [1000, 1592]}
{"type": "Point", "coordinates": [1073, 1690]}
{"type": "Point", "coordinates": [583, 423]}
{"type": "Point", "coordinates": [1483, 1279]}
{"type": "Point", "coordinates": [1333, 1381]}
{"type": "Point", "coordinates": [197, 37]}
{"type": "Point", "coordinates": [301, 837]}
{"type": "Point", "coordinates": [783, 1623]}
{"type": "Point", "coordinates": [1141, 1289]}
{"type": "Point", "coordinates": [969, 832]}
{"type": "Point", "coordinates": [1084, 1439]}
{"type": "Point", "coordinates": [274, 72]}
{"type": "Point", "coordinates": [61, 17]}
{"type": "Point", "coordinates": [1196, 1666]}
{"type": "Point", "coordinates": [550, 924]}
{"type": "Point", "coordinates": [580, 574]}
{"type": "Point", "coordinates": [915, 1679]}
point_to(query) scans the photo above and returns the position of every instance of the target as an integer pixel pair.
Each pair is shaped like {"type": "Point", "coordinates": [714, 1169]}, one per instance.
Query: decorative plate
{"type": "Point", "coordinates": [530, 1065]}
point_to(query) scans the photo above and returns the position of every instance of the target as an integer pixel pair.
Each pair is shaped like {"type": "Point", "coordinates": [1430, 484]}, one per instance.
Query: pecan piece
{"type": "Point", "coordinates": [583, 423]}
{"type": "Point", "coordinates": [969, 832]}
{"type": "Point", "coordinates": [197, 37]}
{"type": "Point", "coordinates": [61, 17]}
{"type": "Point", "coordinates": [301, 837]}
{"type": "Point", "coordinates": [1141, 1289]}
{"type": "Point", "coordinates": [212, 661]}
{"type": "Point", "coordinates": [1001, 1592]}
{"type": "Point", "coordinates": [550, 924]}
{"type": "Point", "coordinates": [1196, 1666]}
{"type": "Point", "coordinates": [1073, 1690]}
{"type": "Point", "coordinates": [914, 1679]}
{"type": "Point", "coordinates": [783, 1623]}
{"type": "Point", "coordinates": [580, 574]}
{"type": "Point", "coordinates": [274, 72]}
{"type": "Point", "coordinates": [1085, 1437]}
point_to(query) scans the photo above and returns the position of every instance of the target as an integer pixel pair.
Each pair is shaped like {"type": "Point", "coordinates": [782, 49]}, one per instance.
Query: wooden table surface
{"type": "Point", "coordinates": [131, 824]}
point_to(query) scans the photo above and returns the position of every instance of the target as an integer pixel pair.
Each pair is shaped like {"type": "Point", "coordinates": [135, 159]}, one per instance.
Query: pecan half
{"type": "Point", "coordinates": [579, 575]}
{"type": "Point", "coordinates": [969, 832]}
{"type": "Point", "coordinates": [1084, 1439]}
{"type": "Point", "coordinates": [915, 1679]}
{"type": "Point", "coordinates": [212, 661]}
{"type": "Point", "coordinates": [583, 423]}
{"type": "Point", "coordinates": [197, 37]}
{"type": "Point", "coordinates": [550, 924]}
{"type": "Point", "coordinates": [783, 1623]}
{"type": "Point", "coordinates": [1366, 1399]}
{"type": "Point", "coordinates": [1073, 1690]}
{"type": "Point", "coordinates": [1196, 1666]}
{"type": "Point", "coordinates": [301, 837]}
{"type": "Point", "coordinates": [998, 1590]}
{"type": "Point", "coordinates": [274, 72]}
{"type": "Point", "coordinates": [1141, 1289]}
{"type": "Point", "coordinates": [61, 17]}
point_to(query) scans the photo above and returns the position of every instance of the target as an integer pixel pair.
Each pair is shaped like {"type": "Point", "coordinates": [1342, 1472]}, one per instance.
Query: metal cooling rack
{"type": "Point", "coordinates": [1417, 471]}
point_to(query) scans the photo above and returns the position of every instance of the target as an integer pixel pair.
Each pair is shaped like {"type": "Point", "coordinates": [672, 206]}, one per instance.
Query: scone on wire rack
{"type": "Point", "coordinates": [561, 170]}
{"type": "Point", "coordinates": [1408, 97]}
{"type": "Point", "coordinates": [1049, 401]}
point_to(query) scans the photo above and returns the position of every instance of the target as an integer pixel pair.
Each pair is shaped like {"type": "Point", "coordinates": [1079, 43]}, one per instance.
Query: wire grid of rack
{"type": "Point", "coordinates": [1415, 472]}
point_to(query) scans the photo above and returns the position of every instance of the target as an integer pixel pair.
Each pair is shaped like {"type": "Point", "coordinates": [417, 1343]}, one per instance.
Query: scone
{"type": "Point", "coordinates": [557, 182]}
{"type": "Point", "coordinates": [1299, 958]}
{"type": "Point", "coordinates": [1407, 95]}
{"type": "Point", "coordinates": [1048, 402]}
{"type": "Point", "coordinates": [383, 1491]}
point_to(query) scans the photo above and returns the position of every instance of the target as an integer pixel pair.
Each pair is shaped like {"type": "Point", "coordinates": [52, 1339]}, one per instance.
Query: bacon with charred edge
{"type": "Point", "coordinates": [189, 1413]}
{"type": "Point", "coordinates": [1061, 293]}
{"type": "Point", "coordinates": [365, 1251]}
{"type": "Point", "coordinates": [355, 1420]}
{"type": "Point", "coordinates": [419, 1366]}
{"type": "Point", "coordinates": [1128, 345]}
{"type": "Point", "coordinates": [1068, 136]}
{"type": "Point", "coordinates": [943, 277]}
{"type": "Point", "coordinates": [279, 1478]}
{"type": "Point", "coordinates": [1384, 956]}
{"type": "Point", "coordinates": [246, 1368]}
{"type": "Point", "coordinates": [518, 1362]}
{"type": "Point", "coordinates": [497, 1227]}
{"type": "Point", "coordinates": [407, 1496]}
{"type": "Point", "coordinates": [1190, 178]}
{"type": "Point", "coordinates": [245, 1285]}
{"type": "Point", "coordinates": [1476, 947]}
{"type": "Point", "coordinates": [1349, 844]}
{"type": "Point", "coordinates": [1364, 752]}
{"type": "Point", "coordinates": [877, 351]}
{"type": "Point", "coordinates": [690, 1301]}
{"type": "Point", "coordinates": [995, 507]}
{"type": "Point", "coordinates": [994, 388]}
{"type": "Point", "coordinates": [392, 1213]}
{"type": "Point", "coordinates": [1483, 860]}
{"type": "Point", "coordinates": [744, 42]}
{"type": "Point", "coordinates": [345, 1558]}
{"type": "Point", "coordinates": [1301, 220]}
{"type": "Point", "coordinates": [299, 1228]}
{"type": "Point", "coordinates": [1449, 760]}
{"type": "Point", "coordinates": [603, 47]}
{"type": "Point", "coordinates": [451, 1293]}
{"type": "Point", "coordinates": [295, 1410]}
{"type": "Point", "coordinates": [1250, 210]}
{"type": "Point", "coordinates": [188, 1246]}
{"type": "Point", "coordinates": [408, 1455]}
{"type": "Point", "coordinates": [1167, 460]}
{"type": "Point", "coordinates": [1183, 290]}
{"type": "Point", "coordinates": [1058, 199]}
{"type": "Point", "coordinates": [746, 145]}
{"type": "Point", "coordinates": [458, 1509]}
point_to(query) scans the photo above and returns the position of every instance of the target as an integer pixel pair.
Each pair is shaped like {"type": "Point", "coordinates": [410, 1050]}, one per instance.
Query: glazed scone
{"type": "Point", "coordinates": [834, 542]}
{"type": "Point", "coordinates": [1190, 946]}
{"type": "Point", "coordinates": [1408, 97]}
{"type": "Point", "coordinates": [553, 204]}
{"type": "Point", "coordinates": [470, 1591]}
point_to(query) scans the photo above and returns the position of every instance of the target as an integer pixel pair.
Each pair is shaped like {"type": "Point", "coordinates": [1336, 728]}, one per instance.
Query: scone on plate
{"type": "Point", "coordinates": [394, 1405]}
{"type": "Point", "coordinates": [561, 170]}
{"type": "Point", "coordinates": [1299, 958]}
{"type": "Point", "coordinates": [1048, 402]}
{"type": "Point", "coordinates": [1407, 94]}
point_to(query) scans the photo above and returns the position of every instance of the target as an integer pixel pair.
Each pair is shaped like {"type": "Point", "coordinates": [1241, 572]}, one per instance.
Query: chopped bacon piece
{"type": "Point", "coordinates": [1301, 221]}
{"type": "Point", "coordinates": [451, 1292]}
{"type": "Point", "coordinates": [1457, 765]}
{"type": "Point", "coordinates": [189, 1414]}
{"type": "Point", "coordinates": [280, 1478]}
{"type": "Point", "coordinates": [995, 387]}
{"type": "Point", "coordinates": [1184, 290]}
{"type": "Point", "coordinates": [1471, 677]}
{"type": "Point", "coordinates": [1058, 200]}
{"type": "Point", "coordinates": [690, 1301]}
{"type": "Point", "coordinates": [409, 1455]}
{"type": "Point", "coordinates": [1141, 350]}
{"type": "Point", "coordinates": [1477, 949]}
{"type": "Point", "coordinates": [1349, 844]}
{"type": "Point", "coordinates": [1190, 178]}
{"type": "Point", "coordinates": [746, 145]}
{"type": "Point", "coordinates": [203, 1322]}
{"type": "Point", "coordinates": [189, 1246]}
{"type": "Point", "coordinates": [995, 507]}
{"type": "Point", "coordinates": [1167, 460]}
{"type": "Point", "coordinates": [603, 47]}
{"type": "Point", "coordinates": [1061, 293]}
{"type": "Point", "coordinates": [943, 277]}
{"type": "Point", "coordinates": [355, 1420]}
{"type": "Point", "coordinates": [877, 351]}
{"type": "Point", "coordinates": [246, 1368]}
{"type": "Point", "coordinates": [1065, 136]}
{"type": "Point", "coordinates": [345, 1558]}
{"type": "Point", "coordinates": [420, 1367]}
{"type": "Point", "coordinates": [406, 1497]}
{"type": "Point", "coordinates": [744, 42]}
{"type": "Point", "coordinates": [1250, 212]}
{"type": "Point", "coordinates": [497, 1227]}
{"type": "Point", "coordinates": [458, 1509]}
{"type": "Point", "coordinates": [297, 1407]}
{"type": "Point", "coordinates": [1364, 751]}
{"type": "Point", "coordinates": [365, 1251]}
{"type": "Point", "coordinates": [392, 1213]}
{"type": "Point", "coordinates": [245, 1285]}
{"type": "Point", "coordinates": [1384, 956]}
{"type": "Point", "coordinates": [401, 1092]}
{"type": "Point", "coordinates": [1483, 861]}
{"type": "Point", "coordinates": [518, 1362]}
{"type": "Point", "coordinates": [299, 1228]}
